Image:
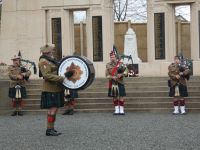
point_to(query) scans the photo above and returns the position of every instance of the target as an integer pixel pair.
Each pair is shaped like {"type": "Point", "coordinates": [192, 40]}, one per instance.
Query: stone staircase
{"type": "Point", "coordinates": [143, 94]}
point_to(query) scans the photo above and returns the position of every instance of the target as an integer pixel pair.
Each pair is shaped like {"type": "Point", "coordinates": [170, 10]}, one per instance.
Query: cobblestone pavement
{"type": "Point", "coordinates": [103, 131]}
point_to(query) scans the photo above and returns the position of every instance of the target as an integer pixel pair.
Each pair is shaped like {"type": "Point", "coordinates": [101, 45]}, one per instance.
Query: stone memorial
{"type": "Point", "coordinates": [130, 47]}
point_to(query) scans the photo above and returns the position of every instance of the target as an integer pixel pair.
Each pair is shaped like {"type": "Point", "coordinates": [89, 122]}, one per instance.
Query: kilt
{"type": "Point", "coordinates": [182, 90]}
{"type": "Point", "coordinates": [73, 94]}
{"type": "Point", "coordinates": [12, 92]}
{"type": "Point", "coordinates": [51, 99]}
{"type": "Point", "coordinates": [122, 91]}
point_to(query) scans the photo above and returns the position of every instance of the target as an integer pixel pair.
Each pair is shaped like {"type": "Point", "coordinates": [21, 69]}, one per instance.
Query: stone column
{"type": "Point", "coordinates": [89, 34]}
{"type": "Point", "coordinates": [170, 41]}
{"type": "Point", "coordinates": [150, 32]}
{"type": "Point", "coordinates": [81, 37]}
{"type": "Point", "coordinates": [194, 32]}
{"type": "Point", "coordinates": [68, 33]}
{"type": "Point", "coordinates": [108, 32]}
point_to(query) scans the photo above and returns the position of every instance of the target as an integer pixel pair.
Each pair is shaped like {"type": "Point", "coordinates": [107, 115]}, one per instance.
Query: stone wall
{"type": "Point", "coordinates": [120, 29]}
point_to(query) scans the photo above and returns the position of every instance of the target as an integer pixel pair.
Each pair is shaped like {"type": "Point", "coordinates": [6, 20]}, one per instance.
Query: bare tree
{"type": "Point", "coordinates": [136, 10]}
{"type": "Point", "coordinates": [130, 9]}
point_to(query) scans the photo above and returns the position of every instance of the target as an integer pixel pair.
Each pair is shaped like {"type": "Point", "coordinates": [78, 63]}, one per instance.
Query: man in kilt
{"type": "Point", "coordinates": [178, 88]}
{"type": "Point", "coordinates": [115, 74]}
{"type": "Point", "coordinates": [52, 96]}
{"type": "Point", "coordinates": [17, 90]}
{"type": "Point", "coordinates": [70, 100]}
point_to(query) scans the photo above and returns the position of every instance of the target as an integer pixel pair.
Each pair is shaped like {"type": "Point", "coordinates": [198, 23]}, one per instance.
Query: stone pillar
{"type": "Point", "coordinates": [150, 31]}
{"type": "Point", "coordinates": [194, 32]}
{"type": "Point", "coordinates": [170, 41]}
{"type": "Point", "coordinates": [81, 37]}
{"type": "Point", "coordinates": [68, 31]}
{"type": "Point", "coordinates": [89, 34]}
{"type": "Point", "coordinates": [108, 31]}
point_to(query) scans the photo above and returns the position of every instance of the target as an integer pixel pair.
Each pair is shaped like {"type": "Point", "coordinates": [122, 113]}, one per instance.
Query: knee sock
{"type": "Point", "coordinates": [182, 102]}
{"type": "Point", "coordinates": [115, 102]}
{"type": "Point", "coordinates": [121, 102]}
{"type": "Point", "coordinates": [50, 121]}
{"type": "Point", "coordinates": [175, 102]}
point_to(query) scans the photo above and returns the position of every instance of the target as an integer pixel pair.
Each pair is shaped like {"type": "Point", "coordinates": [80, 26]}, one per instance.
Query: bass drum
{"type": "Point", "coordinates": [84, 72]}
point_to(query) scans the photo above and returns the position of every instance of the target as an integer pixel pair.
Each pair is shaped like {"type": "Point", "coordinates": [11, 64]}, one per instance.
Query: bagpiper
{"type": "Point", "coordinates": [178, 84]}
{"type": "Point", "coordinates": [115, 72]}
{"type": "Point", "coordinates": [17, 90]}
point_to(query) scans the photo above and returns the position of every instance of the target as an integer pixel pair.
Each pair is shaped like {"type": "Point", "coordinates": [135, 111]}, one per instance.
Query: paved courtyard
{"type": "Point", "coordinates": [103, 131]}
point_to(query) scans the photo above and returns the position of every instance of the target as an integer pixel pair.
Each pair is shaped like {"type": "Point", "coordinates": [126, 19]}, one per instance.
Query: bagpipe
{"type": "Point", "coordinates": [124, 67]}
{"type": "Point", "coordinates": [26, 65]}
{"type": "Point", "coordinates": [185, 64]}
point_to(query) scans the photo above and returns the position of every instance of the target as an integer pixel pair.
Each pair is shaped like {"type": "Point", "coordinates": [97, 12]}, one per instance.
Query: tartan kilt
{"type": "Point", "coordinates": [12, 92]}
{"type": "Point", "coordinates": [182, 90]}
{"type": "Point", "coordinates": [73, 94]}
{"type": "Point", "coordinates": [122, 91]}
{"type": "Point", "coordinates": [50, 99]}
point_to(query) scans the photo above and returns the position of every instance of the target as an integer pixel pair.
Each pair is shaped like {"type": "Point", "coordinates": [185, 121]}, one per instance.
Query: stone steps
{"type": "Point", "coordinates": [136, 89]}
{"type": "Point", "coordinates": [143, 94]}
{"type": "Point", "coordinates": [127, 100]}
{"type": "Point", "coordinates": [127, 105]}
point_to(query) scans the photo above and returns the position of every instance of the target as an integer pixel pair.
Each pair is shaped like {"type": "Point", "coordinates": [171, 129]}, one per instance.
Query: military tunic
{"type": "Point", "coordinates": [13, 72]}
{"type": "Point", "coordinates": [174, 69]}
{"type": "Point", "coordinates": [119, 82]}
{"type": "Point", "coordinates": [52, 90]}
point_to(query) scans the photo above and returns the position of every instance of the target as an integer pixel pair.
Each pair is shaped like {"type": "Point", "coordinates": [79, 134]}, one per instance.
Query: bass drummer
{"type": "Point", "coordinates": [52, 96]}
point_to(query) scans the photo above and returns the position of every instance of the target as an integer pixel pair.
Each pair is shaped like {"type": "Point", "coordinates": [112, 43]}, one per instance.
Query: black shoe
{"type": "Point", "coordinates": [68, 112]}
{"type": "Point", "coordinates": [122, 114]}
{"type": "Point", "coordinates": [51, 132]}
{"type": "Point", "coordinates": [71, 112]}
{"type": "Point", "coordinates": [14, 113]}
{"type": "Point", "coordinates": [20, 113]}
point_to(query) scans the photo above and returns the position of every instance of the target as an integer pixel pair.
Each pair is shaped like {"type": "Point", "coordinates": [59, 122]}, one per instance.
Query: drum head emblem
{"type": "Point", "coordinates": [77, 72]}
{"type": "Point", "coordinates": [79, 69]}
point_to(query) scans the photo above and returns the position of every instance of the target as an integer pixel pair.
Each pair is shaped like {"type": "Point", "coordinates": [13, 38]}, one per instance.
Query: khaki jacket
{"type": "Point", "coordinates": [109, 67]}
{"type": "Point", "coordinates": [13, 71]}
{"type": "Point", "coordinates": [52, 82]}
{"type": "Point", "coordinates": [173, 70]}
